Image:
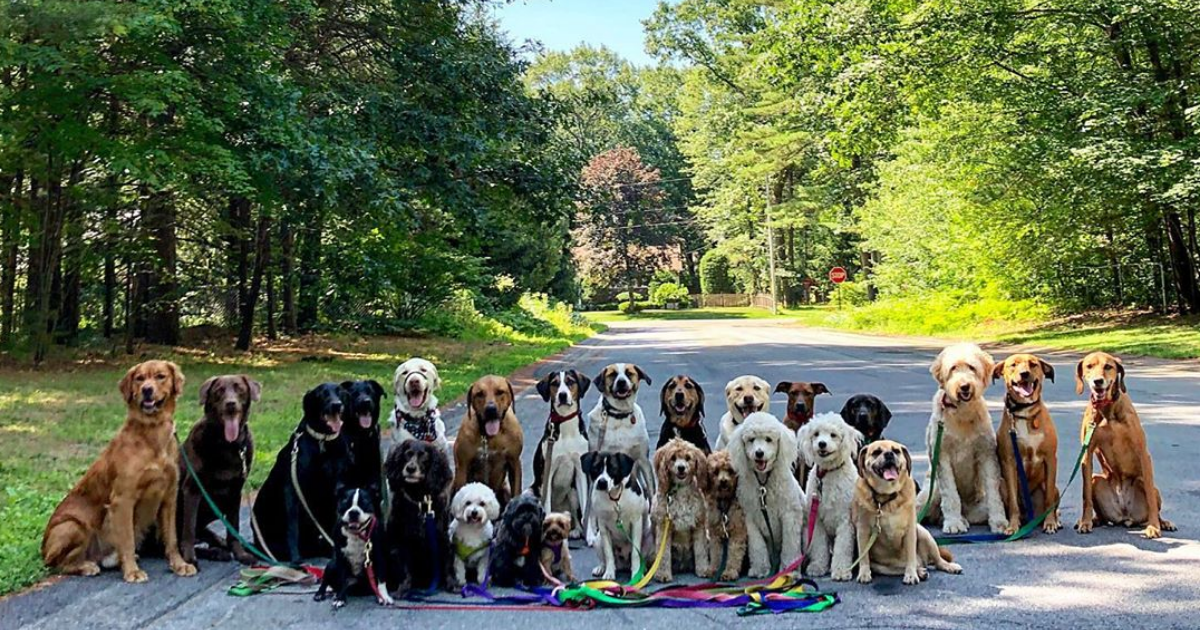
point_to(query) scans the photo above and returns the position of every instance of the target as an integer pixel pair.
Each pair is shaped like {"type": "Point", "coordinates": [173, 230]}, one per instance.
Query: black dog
{"type": "Point", "coordinates": [361, 557]}
{"type": "Point", "coordinates": [318, 458]}
{"type": "Point", "coordinates": [868, 414]}
{"type": "Point", "coordinates": [518, 544]}
{"type": "Point", "coordinates": [419, 476]}
{"type": "Point", "coordinates": [361, 418]}
{"type": "Point", "coordinates": [220, 449]}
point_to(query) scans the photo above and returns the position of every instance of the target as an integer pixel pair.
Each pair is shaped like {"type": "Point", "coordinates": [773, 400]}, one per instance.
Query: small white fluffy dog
{"type": "Point", "coordinates": [967, 488]}
{"type": "Point", "coordinates": [762, 450]}
{"type": "Point", "coordinates": [744, 395]}
{"type": "Point", "coordinates": [830, 444]}
{"type": "Point", "coordinates": [474, 508]}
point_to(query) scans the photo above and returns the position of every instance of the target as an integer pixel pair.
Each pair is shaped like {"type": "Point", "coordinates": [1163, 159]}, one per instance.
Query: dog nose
{"type": "Point", "coordinates": [147, 391]}
{"type": "Point", "coordinates": [747, 401]}
{"type": "Point", "coordinates": [679, 398]}
{"type": "Point", "coordinates": [801, 408]}
{"type": "Point", "coordinates": [602, 484]}
{"type": "Point", "coordinates": [964, 388]}
{"type": "Point", "coordinates": [231, 405]}
{"type": "Point", "coordinates": [1025, 374]}
{"type": "Point", "coordinates": [491, 411]}
{"type": "Point", "coordinates": [562, 398]}
{"type": "Point", "coordinates": [336, 407]}
{"type": "Point", "coordinates": [681, 467]}
{"type": "Point", "coordinates": [1099, 382]}
{"type": "Point", "coordinates": [822, 444]}
{"type": "Point", "coordinates": [758, 454]}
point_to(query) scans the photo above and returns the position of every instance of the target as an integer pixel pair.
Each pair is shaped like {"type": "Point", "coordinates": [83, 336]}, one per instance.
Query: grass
{"type": "Point", "coordinates": [741, 312]}
{"type": "Point", "coordinates": [1119, 333]}
{"type": "Point", "coordinates": [55, 419]}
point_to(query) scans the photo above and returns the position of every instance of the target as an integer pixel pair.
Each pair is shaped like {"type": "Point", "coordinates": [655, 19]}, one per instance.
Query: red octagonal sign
{"type": "Point", "coordinates": [837, 275]}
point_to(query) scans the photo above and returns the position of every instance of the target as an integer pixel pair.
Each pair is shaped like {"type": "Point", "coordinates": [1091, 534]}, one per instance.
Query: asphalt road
{"type": "Point", "coordinates": [1112, 577]}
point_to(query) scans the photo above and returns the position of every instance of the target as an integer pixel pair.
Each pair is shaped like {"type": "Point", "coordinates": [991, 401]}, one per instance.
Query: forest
{"type": "Point", "coordinates": [262, 168]}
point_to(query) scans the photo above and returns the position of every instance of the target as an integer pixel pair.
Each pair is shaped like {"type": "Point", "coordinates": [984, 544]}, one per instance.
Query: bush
{"type": "Point", "coordinates": [853, 294]}
{"type": "Point", "coordinates": [714, 273]}
{"type": "Point", "coordinates": [669, 292]}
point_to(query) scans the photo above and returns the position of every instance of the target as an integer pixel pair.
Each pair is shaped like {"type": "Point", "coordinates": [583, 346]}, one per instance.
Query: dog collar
{"type": "Point", "coordinates": [423, 427]}
{"type": "Point", "coordinates": [318, 436]}
{"type": "Point", "coordinates": [1108, 399]}
{"type": "Point", "coordinates": [559, 419]}
{"type": "Point", "coordinates": [799, 419]}
{"type": "Point", "coordinates": [880, 503]}
{"type": "Point", "coordinates": [613, 412]}
{"type": "Point", "coordinates": [1013, 406]}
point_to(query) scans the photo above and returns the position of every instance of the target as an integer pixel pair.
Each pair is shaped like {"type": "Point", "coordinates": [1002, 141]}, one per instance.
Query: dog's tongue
{"type": "Point", "coordinates": [416, 400]}
{"type": "Point", "coordinates": [492, 427]}
{"type": "Point", "coordinates": [1024, 389]}
{"type": "Point", "coordinates": [365, 420]}
{"type": "Point", "coordinates": [890, 474]}
{"type": "Point", "coordinates": [232, 428]}
{"type": "Point", "coordinates": [334, 424]}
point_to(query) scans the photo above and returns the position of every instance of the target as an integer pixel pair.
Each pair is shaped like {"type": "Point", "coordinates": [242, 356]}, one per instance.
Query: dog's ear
{"type": "Point", "coordinates": [587, 461]}
{"type": "Point", "coordinates": [584, 384]}
{"type": "Point", "coordinates": [491, 505]}
{"type": "Point", "coordinates": [885, 414]}
{"type": "Point", "coordinates": [701, 470]}
{"type": "Point", "coordinates": [699, 397]}
{"type": "Point", "coordinates": [206, 386]}
{"type": "Point", "coordinates": [398, 378]}
{"type": "Point", "coordinates": [254, 386]}
{"type": "Point", "coordinates": [471, 402]}
{"type": "Point", "coordinates": [819, 388]}
{"type": "Point", "coordinates": [543, 387]}
{"type": "Point", "coordinates": [456, 503]}
{"type": "Point", "coordinates": [625, 465]}
{"type": "Point", "coordinates": [439, 475]}
{"type": "Point", "coordinates": [599, 381]}
{"type": "Point", "coordinates": [643, 375]}
{"type": "Point", "coordinates": [783, 387]}
{"type": "Point", "coordinates": [125, 385]}
{"type": "Point", "coordinates": [805, 443]}
{"type": "Point", "coordinates": [907, 459]}
{"type": "Point", "coordinates": [394, 464]}
{"type": "Point", "coordinates": [845, 412]}
{"type": "Point", "coordinates": [346, 385]}
{"type": "Point", "coordinates": [435, 379]}
{"type": "Point", "coordinates": [310, 404]}
{"type": "Point", "coordinates": [177, 379]}
{"type": "Point", "coordinates": [997, 372]}
{"type": "Point", "coordinates": [989, 366]}
{"type": "Point", "coordinates": [1047, 369]}
{"type": "Point", "coordinates": [662, 398]}
{"type": "Point", "coordinates": [1120, 374]}
{"type": "Point", "coordinates": [861, 461]}
{"type": "Point", "coordinates": [662, 467]}
{"type": "Point", "coordinates": [935, 368]}
{"type": "Point", "coordinates": [377, 388]}
{"type": "Point", "coordinates": [512, 396]}
{"type": "Point", "coordinates": [1079, 377]}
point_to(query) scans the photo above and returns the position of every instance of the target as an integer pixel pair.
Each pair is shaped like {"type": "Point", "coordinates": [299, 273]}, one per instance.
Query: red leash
{"type": "Point", "coordinates": [367, 563]}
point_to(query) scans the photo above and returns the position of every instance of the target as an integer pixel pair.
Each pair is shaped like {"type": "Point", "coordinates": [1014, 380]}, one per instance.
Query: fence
{"type": "Point", "coordinates": [725, 300]}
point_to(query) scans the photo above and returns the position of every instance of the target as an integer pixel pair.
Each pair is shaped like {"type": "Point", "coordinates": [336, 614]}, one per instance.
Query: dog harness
{"type": "Point", "coordinates": [423, 428]}
{"type": "Point", "coordinates": [465, 551]}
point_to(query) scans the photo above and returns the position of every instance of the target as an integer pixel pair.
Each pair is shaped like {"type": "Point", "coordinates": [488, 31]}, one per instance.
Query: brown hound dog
{"type": "Point", "coordinates": [489, 442]}
{"type": "Point", "coordinates": [1037, 440]}
{"type": "Point", "coordinates": [131, 486]}
{"type": "Point", "coordinates": [1123, 491]}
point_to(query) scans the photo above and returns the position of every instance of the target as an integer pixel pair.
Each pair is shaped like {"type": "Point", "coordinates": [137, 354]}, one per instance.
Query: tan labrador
{"type": "Point", "coordinates": [1026, 415]}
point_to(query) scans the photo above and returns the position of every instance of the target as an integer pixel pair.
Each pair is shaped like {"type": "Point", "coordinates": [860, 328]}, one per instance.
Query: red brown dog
{"type": "Point", "coordinates": [489, 442]}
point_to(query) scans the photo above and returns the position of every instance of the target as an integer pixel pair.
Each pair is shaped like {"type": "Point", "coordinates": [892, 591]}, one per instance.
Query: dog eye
{"type": "Point", "coordinates": [687, 385]}
{"type": "Point", "coordinates": [757, 388]}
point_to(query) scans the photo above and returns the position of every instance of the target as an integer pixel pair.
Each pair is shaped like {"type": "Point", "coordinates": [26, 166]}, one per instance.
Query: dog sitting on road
{"type": "Point", "coordinates": [295, 509]}
{"type": "Point", "coordinates": [132, 485]}
{"type": "Point", "coordinates": [360, 559]}
{"type": "Point", "coordinates": [565, 441]}
{"type": "Point", "coordinates": [220, 449]}
{"type": "Point", "coordinates": [802, 401]}
{"type": "Point", "coordinates": [414, 391]}
{"type": "Point", "coordinates": [726, 524]}
{"type": "Point", "coordinates": [556, 553]}
{"type": "Point", "coordinates": [488, 446]}
{"type": "Point", "coordinates": [762, 450]}
{"type": "Point", "coordinates": [967, 490]}
{"type": "Point", "coordinates": [617, 424]}
{"type": "Point", "coordinates": [682, 481]}
{"type": "Point", "coordinates": [744, 395]}
{"type": "Point", "coordinates": [1026, 416]}
{"type": "Point", "coordinates": [473, 508]}
{"type": "Point", "coordinates": [418, 525]}
{"type": "Point", "coordinates": [830, 444]}
{"type": "Point", "coordinates": [515, 559]}
{"type": "Point", "coordinates": [620, 506]}
{"type": "Point", "coordinates": [681, 403]}
{"type": "Point", "coordinates": [361, 421]}
{"type": "Point", "coordinates": [884, 507]}
{"type": "Point", "coordinates": [1123, 492]}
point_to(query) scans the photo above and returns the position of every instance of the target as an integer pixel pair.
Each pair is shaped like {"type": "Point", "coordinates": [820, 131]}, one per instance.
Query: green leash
{"type": "Point", "coordinates": [933, 465]}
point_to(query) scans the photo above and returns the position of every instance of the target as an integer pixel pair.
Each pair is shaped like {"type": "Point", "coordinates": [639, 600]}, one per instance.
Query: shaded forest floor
{"type": "Point", "coordinates": [56, 418]}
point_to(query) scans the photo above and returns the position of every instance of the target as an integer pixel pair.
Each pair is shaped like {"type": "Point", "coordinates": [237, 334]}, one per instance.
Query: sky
{"type": "Point", "coordinates": [564, 24]}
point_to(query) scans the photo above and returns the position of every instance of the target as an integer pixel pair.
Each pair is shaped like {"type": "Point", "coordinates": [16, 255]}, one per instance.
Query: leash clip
{"type": "Point", "coordinates": [762, 496]}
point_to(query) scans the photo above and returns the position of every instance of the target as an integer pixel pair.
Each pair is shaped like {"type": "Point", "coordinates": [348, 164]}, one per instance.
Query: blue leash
{"type": "Point", "coordinates": [1026, 497]}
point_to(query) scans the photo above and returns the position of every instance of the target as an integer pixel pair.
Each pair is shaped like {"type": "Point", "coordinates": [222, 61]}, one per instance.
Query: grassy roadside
{"type": "Point", "coordinates": [982, 321]}
{"type": "Point", "coordinates": [54, 420]}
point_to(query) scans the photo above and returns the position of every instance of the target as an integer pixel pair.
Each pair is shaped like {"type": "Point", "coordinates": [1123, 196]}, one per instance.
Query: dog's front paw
{"type": "Point", "coordinates": [384, 599]}
{"type": "Point", "coordinates": [731, 574]}
{"type": "Point", "coordinates": [1011, 528]}
{"type": "Point", "coordinates": [338, 603]}
{"type": "Point", "coordinates": [1002, 526]}
{"type": "Point", "coordinates": [955, 525]}
{"type": "Point", "coordinates": [1167, 526]}
{"type": "Point", "coordinates": [245, 557]}
{"type": "Point", "coordinates": [664, 576]}
{"type": "Point", "coordinates": [911, 576]}
{"type": "Point", "coordinates": [841, 575]}
{"type": "Point", "coordinates": [88, 569]}
{"type": "Point", "coordinates": [183, 569]}
{"type": "Point", "coordinates": [706, 572]}
{"type": "Point", "coordinates": [136, 576]}
{"type": "Point", "coordinates": [319, 596]}
{"type": "Point", "coordinates": [1084, 525]}
{"type": "Point", "coordinates": [1151, 532]}
{"type": "Point", "coordinates": [758, 572]}
{"type": "Point", "coordinates": [864, 575]}
{"type": "Point", "coordinates": [953, 567]}
{"type": "Point", "coordinates": [609, 574]}
{"type": "Point", "coordinates": [598, 570]}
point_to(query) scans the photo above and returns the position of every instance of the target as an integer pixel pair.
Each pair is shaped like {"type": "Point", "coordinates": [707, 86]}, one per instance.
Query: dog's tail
{"type": "Point", "coordinates": [944, 552]}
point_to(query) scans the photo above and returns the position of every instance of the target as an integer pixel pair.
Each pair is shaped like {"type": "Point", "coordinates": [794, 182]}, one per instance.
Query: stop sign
{"type": "Point", "coordinates": [837, 275]}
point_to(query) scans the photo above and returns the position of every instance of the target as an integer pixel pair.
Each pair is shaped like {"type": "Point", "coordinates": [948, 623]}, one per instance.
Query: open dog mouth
{"type": "Point", "coordinates": [416, 397]}
{"type": "Point", "coordinates": [681, 475]}
{"type": "Point", "coordinates": [824, 452]}
{"type": "Point", "coordinates": [1023, 389]}
{"type": "Point", "coordinates": [334, 422]}
{"type": "Point", "coordinates": [365, 420]}
{"type": "Point", "coordinates": [761, 464]}
{"type": "Point", "coordinates": [151, 406]}
{"type": "Point", "coordinates": [680, 407]}
{"type": "Point", "coordinates": [887, 471]}
{"type": "Point", "coordinates": [1099, 393]}
{"type": "Point", "coordinates": [622, 394]}
{"type": "Point", "coordinates": [491, 427]}
{"type": "Point", "coordinates": [232, 424]}
{"type": "Point", "coordinates": [748, 409]}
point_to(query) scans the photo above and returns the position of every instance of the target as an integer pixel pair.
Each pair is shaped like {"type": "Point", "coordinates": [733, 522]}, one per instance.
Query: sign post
{"type": "Point", "coordinates": [837, 276]}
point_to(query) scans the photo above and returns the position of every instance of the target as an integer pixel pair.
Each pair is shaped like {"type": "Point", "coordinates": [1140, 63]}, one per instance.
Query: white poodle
{"type": "Point", "coordinates": [830, 444]}
{"type": "Point", "coordinates": [967, 489]}
{"type": "Point", "coordinates": [763, 450]}
{"type": "Point", "coordinates": [474, 508]}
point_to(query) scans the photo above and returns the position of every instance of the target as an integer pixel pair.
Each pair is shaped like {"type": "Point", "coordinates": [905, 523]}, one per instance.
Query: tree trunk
{"type": "Point", "coordinates": [1182, 268]}
{"type": "Point", "coordinates": [71, 277]}
{"type": "Point", "coordinates": [162, 290]}
{"type": "Point", "coordinates": [238, 244]}
{"type": "Point", "coordinates": [109, 240]}
{"type": "Point", "coordinates": [10, 240]}
{"type": "Point", "coordinates": [248, 299]}
{"type": "Point", "coordinates": [44, 252]}
{"type": "Point", "coordinates": [309, 304]}
{"type": "Point", "coordinates": [269, 270]}
{"type": "Point", "coordinates": [287, 257]}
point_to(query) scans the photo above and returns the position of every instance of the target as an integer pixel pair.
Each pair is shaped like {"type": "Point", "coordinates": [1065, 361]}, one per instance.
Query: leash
{"type": "Point", "coordinates": [296, 481]}
{"type": "Point", "coordinates": [553, 428]}
{"type": "Point", "coordinates": [933, 468]}
{"type": "Point", "coordinates": [1026, 497]}
{"type": "Point", "coordinates": [368, 564]}
{"type": "Point", "coordinates": [762, 507]}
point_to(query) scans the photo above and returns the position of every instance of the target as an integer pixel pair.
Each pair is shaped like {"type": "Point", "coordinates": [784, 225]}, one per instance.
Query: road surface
{"type": "Point", "coordinates": [1112, 577]}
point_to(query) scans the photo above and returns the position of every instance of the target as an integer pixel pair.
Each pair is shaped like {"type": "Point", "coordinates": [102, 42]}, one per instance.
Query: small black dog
{"type": "Point", "coordinates": [868, 414]}
{"type": "Point", "coordinates": [360, 559]}
{"type": "Point", "coordinates": [419, 476]}
{"type": "Point", "coordinates": [318, 457]}
{"type": "Point", "coordinates": [361, 418]}
{"type": "Point", "coordinates": [518, 545]}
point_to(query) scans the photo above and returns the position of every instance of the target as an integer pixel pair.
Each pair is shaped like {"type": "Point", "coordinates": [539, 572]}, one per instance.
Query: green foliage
{"type": "Point", "coordinates": [669, 293]}
{"type": "Point", "coordinates": [714, 273]}
{"type": "Point", "coordinates": [24, 512]}
{"type": "Point", "coordinates": [939, 313]}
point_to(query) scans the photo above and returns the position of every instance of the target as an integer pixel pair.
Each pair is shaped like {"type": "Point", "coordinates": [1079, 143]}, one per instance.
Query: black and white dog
{"type": "Point", "coordinates": [617, 424]}
{"type": "Point", "coordinates": [620, 508]}
{"type": "Point", "coordinates": [565, 436]}
{"type": "Point", "coordinates": [360, 557]}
